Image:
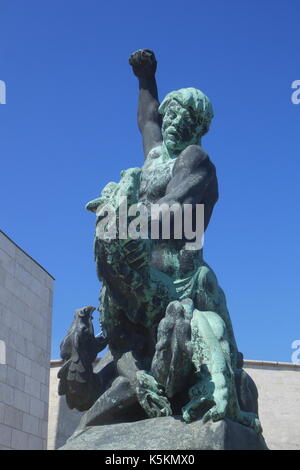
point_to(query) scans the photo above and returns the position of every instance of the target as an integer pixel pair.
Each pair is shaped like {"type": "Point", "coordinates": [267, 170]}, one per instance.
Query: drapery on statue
{"type": "Point", "coordinates": [163, 314]}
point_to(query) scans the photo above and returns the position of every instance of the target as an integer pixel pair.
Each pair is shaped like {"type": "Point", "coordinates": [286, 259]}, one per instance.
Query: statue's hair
{"type": "Point", "coordinates": [194, 99]}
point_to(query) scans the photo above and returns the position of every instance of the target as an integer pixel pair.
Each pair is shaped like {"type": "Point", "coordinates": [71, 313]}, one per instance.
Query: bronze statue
{"type": "Point", "coordinates": [163, 314]}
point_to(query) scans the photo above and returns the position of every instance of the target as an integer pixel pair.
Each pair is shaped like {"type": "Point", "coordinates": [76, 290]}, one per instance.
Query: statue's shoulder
{"type": "Point", "coordinates": [194, 157]}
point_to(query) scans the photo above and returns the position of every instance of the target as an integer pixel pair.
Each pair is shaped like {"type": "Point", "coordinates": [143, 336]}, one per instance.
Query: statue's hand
{"type": "Point", "coordinates": [143, 63]}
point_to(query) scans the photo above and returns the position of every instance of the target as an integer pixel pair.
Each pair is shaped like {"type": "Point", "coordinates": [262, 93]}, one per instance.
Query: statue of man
{"type": "Point", "coordinates": [178, 171]}
{"type": "Point", "coordinates": [162, 310]}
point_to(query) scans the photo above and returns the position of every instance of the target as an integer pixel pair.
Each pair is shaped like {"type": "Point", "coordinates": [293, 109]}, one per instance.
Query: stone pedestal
{"type": "Point", "coordinates": [169, 433]}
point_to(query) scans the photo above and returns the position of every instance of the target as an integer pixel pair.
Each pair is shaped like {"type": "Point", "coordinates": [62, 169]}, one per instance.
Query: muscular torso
{"type": "Point", "coordinates": [170, 256]}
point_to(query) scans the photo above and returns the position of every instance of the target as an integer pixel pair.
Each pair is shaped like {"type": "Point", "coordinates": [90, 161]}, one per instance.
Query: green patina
{"type": "Point", "coordinates": [193, 111]}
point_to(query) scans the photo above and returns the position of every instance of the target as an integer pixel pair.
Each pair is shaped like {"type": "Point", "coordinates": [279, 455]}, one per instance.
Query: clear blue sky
{"type": "Point", "coordinates": [69, 127]}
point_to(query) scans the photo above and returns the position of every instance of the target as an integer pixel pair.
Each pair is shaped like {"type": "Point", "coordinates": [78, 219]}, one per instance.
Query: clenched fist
{"type": "Point", "coordinates": [143, 63]}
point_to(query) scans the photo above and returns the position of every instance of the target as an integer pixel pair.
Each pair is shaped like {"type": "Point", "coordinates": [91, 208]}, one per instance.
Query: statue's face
{"type": "Point", "coordinates": [179, 127]}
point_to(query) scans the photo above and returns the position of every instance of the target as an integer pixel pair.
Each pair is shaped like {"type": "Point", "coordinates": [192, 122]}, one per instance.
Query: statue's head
{"type": "Point", "coordinates": [187, 114]}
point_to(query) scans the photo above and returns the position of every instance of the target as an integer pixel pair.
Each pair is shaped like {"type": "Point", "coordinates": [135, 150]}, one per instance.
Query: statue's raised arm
{"type": "Point", "coordinates": [144, 64]}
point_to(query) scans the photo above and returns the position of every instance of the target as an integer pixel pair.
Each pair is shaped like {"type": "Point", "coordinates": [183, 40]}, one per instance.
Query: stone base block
{"type": "Point", "coordinates": [168, 433]}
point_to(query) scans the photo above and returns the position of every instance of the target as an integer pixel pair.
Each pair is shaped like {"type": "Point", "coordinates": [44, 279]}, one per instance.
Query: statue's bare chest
{"type": "Point", "coordinates": [155, 176]}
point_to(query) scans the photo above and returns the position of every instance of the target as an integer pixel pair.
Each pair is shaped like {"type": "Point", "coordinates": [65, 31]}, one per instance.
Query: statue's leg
{"type": "Point", "coordinates": [210, 352]}
{"type": "Point", "coordinates": [214, 395]}
{"type": "Point", "coordinates": [233, 410]}
{"type": "Point", "coordinates": [210, 297]}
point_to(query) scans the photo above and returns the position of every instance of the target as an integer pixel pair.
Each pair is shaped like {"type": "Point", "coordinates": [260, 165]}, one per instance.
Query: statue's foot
{"type": "Point", "coordinates": [206, 403]}
{"type": "Point", "coordinates": [196, 408]}
{"type": "Point", "coordinates": [220, 407]}
{"type": "Point", "coordinates": [216, 413]}
{"type": "Point", "coordinates": [150, 396]}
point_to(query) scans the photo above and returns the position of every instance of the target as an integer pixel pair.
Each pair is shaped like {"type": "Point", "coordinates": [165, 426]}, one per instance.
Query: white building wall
{"type": "Point", "coordinates": [279, 402]}
{"type": "Point", "coordinates": [25, 342]}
